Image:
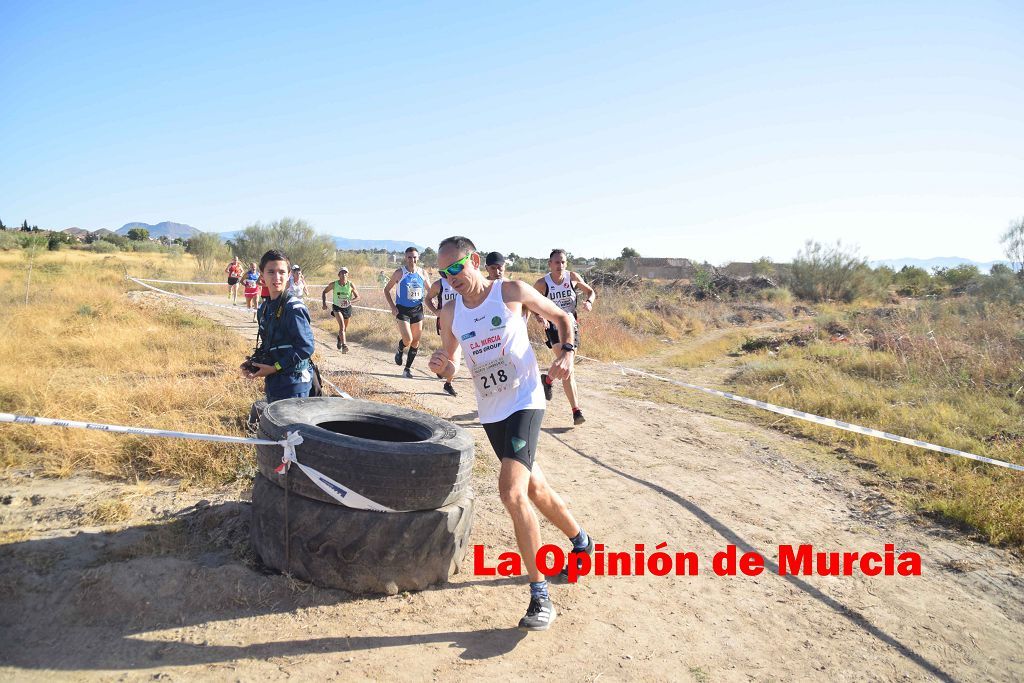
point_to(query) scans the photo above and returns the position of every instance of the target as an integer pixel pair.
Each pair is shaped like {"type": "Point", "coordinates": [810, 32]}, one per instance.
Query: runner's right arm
{"type": "Point", "coordinates": [395, 277]}
{"type": "Point", "coordinates": [445, 362]}
{"type": "Point", "coordinates": [323, 295]}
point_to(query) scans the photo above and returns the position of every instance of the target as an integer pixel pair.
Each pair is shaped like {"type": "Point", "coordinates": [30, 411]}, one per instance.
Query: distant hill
{"type": "Point", "coordinates": [76, 232]}
{"type": "Point", "coordinates": [165, 229]}
{"type": "Point", "coordinates": [349, 244]}
{"type": "Point", "coordinates": [936, 262]}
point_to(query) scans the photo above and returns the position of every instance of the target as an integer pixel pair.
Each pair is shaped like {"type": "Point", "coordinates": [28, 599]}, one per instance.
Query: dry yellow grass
{"type": "Point", "coordinates": [82, 350]}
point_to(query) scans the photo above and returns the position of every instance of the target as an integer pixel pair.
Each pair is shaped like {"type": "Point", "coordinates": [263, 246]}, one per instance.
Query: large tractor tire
{"type": "Point", "coordinates": [399, 458]}
{"type": "Point", "coordinates": [357, 550]}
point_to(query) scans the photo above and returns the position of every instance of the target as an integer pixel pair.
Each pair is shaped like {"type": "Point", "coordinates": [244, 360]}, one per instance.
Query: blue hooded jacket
{"type": "Point", "coordinates": [288, 338]}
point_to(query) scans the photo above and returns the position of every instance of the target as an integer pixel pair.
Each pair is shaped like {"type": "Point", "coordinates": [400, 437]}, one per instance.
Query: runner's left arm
{"type": "Point", "coordinates": [591, 295]}
{"type": "Point", "coordinates": [355, 294]}
{"type": "Point", "coordinates": [531, 299]}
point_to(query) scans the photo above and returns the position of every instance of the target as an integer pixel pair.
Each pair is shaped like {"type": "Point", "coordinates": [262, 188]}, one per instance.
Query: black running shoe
{"type": "Point", "coordinates": [589, 550]}
{"type": "Point", "coordinates": [344, 348]}
{"type": "Point", "coordinates": [449, 389]}
{"type": "Point", "coordinates": [398, 356]}
{"type": "Point", "coordinates": [339, 341]}
{"type": "Point", "coordinates": [539, 616]}
{"type": "Point", "coordinates": [577, 417]}
{"type": "Point", "coordinates": [547, 387]}
{"type": "Point", "coordinates": [408, 373]}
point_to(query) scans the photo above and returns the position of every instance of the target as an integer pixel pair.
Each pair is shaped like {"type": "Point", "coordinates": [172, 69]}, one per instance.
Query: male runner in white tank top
{"type": "Point", "coordinates": [487, 322]}
{"type": "Point", "coordinates": [560, 285]}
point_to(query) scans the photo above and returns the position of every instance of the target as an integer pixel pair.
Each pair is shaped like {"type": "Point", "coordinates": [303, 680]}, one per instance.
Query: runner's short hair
{"type": "Point", "coordinates": [463, 245]}
{"type": "Point", "coordinates": [408, 249]}
{"type": "Point", "coordinates": [273, 255]}
{"type": "Point", "coordinates": [555, 252]}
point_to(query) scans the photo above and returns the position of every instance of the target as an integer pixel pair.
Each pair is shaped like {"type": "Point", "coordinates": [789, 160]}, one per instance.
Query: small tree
{"type": "Point", "coordinates": [24, 226]}
{"type": "Point", "coordinates": [429, 257]}
{"type": "Point", "coordinates": [821, 273]}
{"type": "Point", "coordinates": [629, 252]}
{"type": "Point", "coordinates": [912, 281]}
{"type": "Point", "coordinates": [296, 238]}
{"type": "Point", "coordinates": [138, 234]}
{"type": "Point", "coordinates": [764, 266]}
{"type": "Point", "coordinates": [1000, 269]}
{"type": "Point", "coordinates": [959, 277]}
{"type": "Point", "coordinates": [2, 226]}
{"type": "Point", "coordinates": [208, 251]}
{"type": "Point", "coordinates": [1013, 242]}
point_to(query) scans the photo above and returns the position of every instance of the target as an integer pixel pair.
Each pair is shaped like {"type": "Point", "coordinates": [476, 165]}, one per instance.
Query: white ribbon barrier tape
{"type": "Point", "coordinates": [341, 493]}
{"type": "Point", "coordinates": [338, 492]}
{"type": "Point", "coordinates": [179, 282]}
{"type": "Point", "coordinates": [817, 419]}
{"type": "Point", "coordinates": [182, 296]}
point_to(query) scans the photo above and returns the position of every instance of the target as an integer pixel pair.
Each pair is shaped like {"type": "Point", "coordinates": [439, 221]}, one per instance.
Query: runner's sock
{"type": "Point", "coordinates": [580, 541]}
{"type": "Point", "coordinates": [539, 590]}
{"type": "Point", "coordinates": [413, 350]}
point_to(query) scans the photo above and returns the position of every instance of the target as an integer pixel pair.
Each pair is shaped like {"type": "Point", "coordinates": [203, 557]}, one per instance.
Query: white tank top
{"type": "Point", "coordinates": [447, 293]}
{"type": "Point", "coordinates": [562, 293]}
{"type": "Point", "coordinates": [496, 346]}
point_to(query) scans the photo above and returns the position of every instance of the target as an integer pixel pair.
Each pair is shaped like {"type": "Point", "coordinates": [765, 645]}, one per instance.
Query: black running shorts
{"type": "Point", "coordinates": [516, 436]}
{"type": "Point", "coordinates": [551, 334]}
{"type": "Point", "coordinates": [410, 314]}
{"type": "Point", "coordinates": [346, 312]}
{"type": "Point", "coordinates": [232, 281]}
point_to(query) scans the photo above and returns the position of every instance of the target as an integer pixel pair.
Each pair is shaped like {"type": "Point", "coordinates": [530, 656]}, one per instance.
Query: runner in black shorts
{"type": "Point", "coordinates": [522, 426]}
{"type": "Point", "coordinates": [486, 322]}
{"type": "Point", "coordinates": [561, 285]}
{"type": "Point", "coordinates": [411, 284]}
{"type": "Point", "coordinates": [410, 314]}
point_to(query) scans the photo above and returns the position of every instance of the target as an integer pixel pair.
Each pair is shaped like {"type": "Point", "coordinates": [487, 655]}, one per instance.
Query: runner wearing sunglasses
{"type": "Point", "coordinates": [486, 321]}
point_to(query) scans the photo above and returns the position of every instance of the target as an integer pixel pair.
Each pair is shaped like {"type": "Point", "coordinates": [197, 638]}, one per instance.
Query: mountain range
{"type": "Point", "coordinates": [936, 262]}
{"type": "Point", "coordinates": [166, 229]}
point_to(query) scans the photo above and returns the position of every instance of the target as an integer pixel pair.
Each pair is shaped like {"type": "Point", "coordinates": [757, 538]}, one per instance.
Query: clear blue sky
{"type": "Point", "coordinates": [680, 129]}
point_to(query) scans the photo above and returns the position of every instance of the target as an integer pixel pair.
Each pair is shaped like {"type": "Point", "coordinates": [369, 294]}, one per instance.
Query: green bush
{"type": "Point", "coordinates": [103, 247]}
{"type": "Point", "coordinates": [830, 273]}
{"type": "Point", "coordinates": [913, 281]}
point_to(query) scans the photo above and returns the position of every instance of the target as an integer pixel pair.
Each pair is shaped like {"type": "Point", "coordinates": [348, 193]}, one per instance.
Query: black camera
{"type": "Point", "coordinates": [259, 356]}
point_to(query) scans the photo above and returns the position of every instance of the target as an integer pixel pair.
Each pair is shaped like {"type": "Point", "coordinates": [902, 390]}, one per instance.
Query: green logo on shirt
{"type": "Point", "coordinates": [496, 320]}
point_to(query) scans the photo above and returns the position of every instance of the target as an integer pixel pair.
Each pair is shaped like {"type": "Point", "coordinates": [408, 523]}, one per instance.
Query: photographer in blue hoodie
{"type": "Point", "coordinates": [283, 357]}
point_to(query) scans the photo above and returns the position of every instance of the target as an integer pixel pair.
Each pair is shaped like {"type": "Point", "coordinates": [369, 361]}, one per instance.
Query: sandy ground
{"type": "Point", "coordinates": [174, 594]}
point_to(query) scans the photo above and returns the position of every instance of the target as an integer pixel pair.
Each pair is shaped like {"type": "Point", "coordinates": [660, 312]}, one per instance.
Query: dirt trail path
{"type": "Point", "coordinates": [636, 472]}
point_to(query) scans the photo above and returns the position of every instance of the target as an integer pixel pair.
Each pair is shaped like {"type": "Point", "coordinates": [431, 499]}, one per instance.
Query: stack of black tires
{"type": "Point", "coordinates": [399, 458]}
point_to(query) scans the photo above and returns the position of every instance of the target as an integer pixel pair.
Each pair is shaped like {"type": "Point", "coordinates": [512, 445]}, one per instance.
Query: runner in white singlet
{"type": "Point", "coordinates": [487, 323]}
{"type": "Point", "coordinates": [560, 285]}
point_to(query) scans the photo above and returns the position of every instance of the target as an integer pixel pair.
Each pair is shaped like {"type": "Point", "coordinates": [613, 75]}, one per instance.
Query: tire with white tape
{"type": "Point", "coordinates": [358, 550]}
{"type": "Point", "coordinates": [399, 458]}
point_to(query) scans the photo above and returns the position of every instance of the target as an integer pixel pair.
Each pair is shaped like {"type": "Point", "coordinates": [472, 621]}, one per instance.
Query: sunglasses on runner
{"type": "Point", "coordinates": [455, 268]}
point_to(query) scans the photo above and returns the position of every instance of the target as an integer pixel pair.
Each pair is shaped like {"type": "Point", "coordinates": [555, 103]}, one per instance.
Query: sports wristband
{"type": "Point", "coordinates": [277, 366]}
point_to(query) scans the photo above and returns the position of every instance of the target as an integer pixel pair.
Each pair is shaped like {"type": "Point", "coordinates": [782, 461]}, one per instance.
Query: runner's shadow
{"type": "Point", "coordinates": [108, 592]}
{"type": "Point", "coordinates": [848, 613]}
